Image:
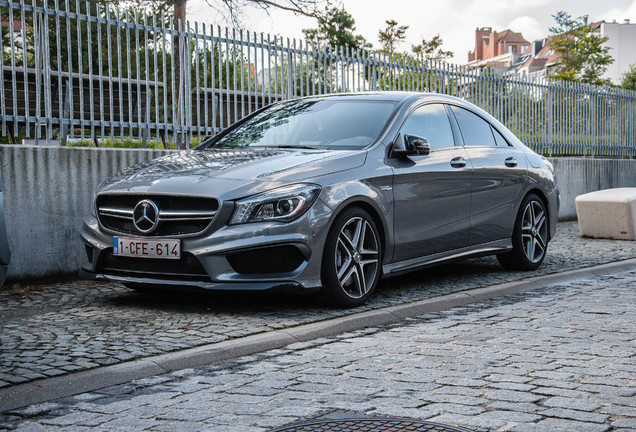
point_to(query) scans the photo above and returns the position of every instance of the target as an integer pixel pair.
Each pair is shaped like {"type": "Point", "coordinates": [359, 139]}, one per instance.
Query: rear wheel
{"type": "Point", "coordinates": [530, 236]}
{"type": "Point", "coordinates": [352, 259]}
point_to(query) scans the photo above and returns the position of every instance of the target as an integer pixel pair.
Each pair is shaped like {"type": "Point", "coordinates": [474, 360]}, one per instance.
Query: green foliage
{"type": "Point", "coordinates": [407, 74]}
{"type": "Point", "coordinates": [304, 79]}
{"type": "Point", "coordinates": [6, 43]}
{"type": "Point", "coordinates": [83, 45]}
{"type": "Point", "coordinates": [336, 27]}
{"type": "Point", "coordinates": [582, 54]}
{"type": "Point", "coordinates": [151, 7]}
{"type": "Point", "coordinates": [222, 69]}
{"type": "Point", "coordinates": [392, 36]}
{"type": "Point", "coordinates": [431, 50]}
{"type": "Point", "coordinates": [629, 78]}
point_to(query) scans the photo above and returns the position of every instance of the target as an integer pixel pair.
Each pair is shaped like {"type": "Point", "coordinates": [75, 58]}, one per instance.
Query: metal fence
{"type": "Point", "coordinates": [77, 70]}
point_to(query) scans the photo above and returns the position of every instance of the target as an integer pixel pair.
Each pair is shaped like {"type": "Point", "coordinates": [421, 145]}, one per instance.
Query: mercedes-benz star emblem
{"type": "Point", "coordinates": [146, 216]}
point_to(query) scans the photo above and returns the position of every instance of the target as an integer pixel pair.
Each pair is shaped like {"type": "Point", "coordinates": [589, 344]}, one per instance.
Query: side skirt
{"type": "Point", "coordinates": [483, 249]}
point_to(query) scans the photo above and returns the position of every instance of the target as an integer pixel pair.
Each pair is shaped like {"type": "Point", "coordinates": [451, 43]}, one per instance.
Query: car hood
{"type": "Point", "coordinates": [230, 173]}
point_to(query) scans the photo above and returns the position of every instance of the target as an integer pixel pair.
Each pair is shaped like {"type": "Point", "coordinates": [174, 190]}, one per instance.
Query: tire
{"type": "Point", "coordinates": [530, 236]}
{"type": "Point", "coordinates": [352, 259]}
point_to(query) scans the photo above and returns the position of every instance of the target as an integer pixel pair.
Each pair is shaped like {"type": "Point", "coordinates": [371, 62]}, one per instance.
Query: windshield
{"type": "Point", "coordinates": [310, 123]}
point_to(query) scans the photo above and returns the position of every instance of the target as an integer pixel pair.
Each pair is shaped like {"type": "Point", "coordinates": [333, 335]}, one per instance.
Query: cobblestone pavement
{"type": "Point", "coordinates": [560, 358]}
{"type": "Point", "coordinates": [51, 330]}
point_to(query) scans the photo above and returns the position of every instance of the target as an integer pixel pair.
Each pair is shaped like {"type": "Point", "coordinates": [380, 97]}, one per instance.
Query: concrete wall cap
{"type": "Point", "coordinates": [627, 194]}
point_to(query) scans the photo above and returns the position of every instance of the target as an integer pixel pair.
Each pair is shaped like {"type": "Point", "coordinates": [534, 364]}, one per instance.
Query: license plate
{"type": "Point", "coordinates": [130, 247]}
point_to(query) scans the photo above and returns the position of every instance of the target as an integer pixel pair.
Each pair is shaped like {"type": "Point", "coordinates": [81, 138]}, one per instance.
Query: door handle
{"type": "Point", "coordinates": [511, 162]}
{"type": "Point", "coordinates": [458, 162]}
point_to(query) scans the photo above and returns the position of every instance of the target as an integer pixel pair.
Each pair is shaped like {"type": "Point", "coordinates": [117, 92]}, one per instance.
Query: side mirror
{"type": "Point", "coordinates": [413, 146]}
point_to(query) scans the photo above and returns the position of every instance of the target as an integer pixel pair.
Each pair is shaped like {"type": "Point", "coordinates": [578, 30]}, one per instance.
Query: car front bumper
{"type": "Point", "coordinates": [252, 256]}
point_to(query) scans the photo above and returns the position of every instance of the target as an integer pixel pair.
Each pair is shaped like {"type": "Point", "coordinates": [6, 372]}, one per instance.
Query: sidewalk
{"type": "Point", "coordinates": [558, 358]}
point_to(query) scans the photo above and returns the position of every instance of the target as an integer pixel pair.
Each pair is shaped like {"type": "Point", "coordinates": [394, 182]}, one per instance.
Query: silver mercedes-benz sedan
{"type": "Point", "coordinates": [328, 193]}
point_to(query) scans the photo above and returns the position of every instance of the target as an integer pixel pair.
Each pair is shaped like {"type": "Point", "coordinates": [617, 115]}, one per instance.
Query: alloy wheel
{"type": "Point", "coordinates": [357, 257]}
{"type": "Point", "coordinates": [534, 231]}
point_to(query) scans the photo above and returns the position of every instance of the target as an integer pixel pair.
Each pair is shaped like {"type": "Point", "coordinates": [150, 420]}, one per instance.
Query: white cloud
{"type": "Point", "coordinates": [454, 20]}
{"type": "Point", "coordinates": [529, 27]}
{"type": "Point", "coordinates": [620, 14]}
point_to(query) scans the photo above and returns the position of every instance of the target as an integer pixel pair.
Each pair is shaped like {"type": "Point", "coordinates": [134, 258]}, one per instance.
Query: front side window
{"type": "Point", "coordinates": [312, 123]}
{"type": "Point", "coordinates": [475, 130]}
{"type": "Point", "coordinates": [430, 122]}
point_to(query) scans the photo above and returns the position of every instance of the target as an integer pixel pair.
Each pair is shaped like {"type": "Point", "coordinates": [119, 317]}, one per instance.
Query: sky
{"type": "Point", "coordinates": [454, 20]}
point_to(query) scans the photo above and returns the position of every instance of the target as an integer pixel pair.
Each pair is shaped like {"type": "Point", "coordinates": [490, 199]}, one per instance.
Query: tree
{"type": "Point", "coordinates": [582, 54]}
{"type": "Point", "coordinates": [233, 9]}
{"type": "Point", "coordinates": [336, 28]}
{"type": "Point", "coordinates": [392, 36]}
{"type": "Point", "coordinates": [431, 50]}
{"type": "Point", "coordinates": [629, 78]}
{"type": "Point", "coordinates": [230, 9]}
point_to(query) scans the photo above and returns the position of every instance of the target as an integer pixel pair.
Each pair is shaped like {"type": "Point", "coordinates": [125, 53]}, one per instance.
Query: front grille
{"type": "Point", "coordinates": [187, 267]}
{"type": "Point", "coordinates": [268, 260]}
{"type": "Point", "coordinates": [177, 215]}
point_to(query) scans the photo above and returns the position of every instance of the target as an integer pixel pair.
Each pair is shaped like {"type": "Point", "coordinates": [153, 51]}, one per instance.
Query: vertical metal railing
{"type": "Point", "coordinates": [74, 70]}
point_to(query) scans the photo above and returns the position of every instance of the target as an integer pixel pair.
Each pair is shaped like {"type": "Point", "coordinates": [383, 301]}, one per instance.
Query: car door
{"type": "Point", "coordinates": [498, 177]}
{"type": "Point", "coordinates": [431, 192]}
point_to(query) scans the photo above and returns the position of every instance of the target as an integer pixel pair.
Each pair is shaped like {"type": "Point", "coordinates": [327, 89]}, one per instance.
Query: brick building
{"type": "Point", "coordinates": [489, 44]}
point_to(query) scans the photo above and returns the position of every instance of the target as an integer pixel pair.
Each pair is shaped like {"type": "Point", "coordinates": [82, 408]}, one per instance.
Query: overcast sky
{"type": "Point", "coordinates": [454, 20]}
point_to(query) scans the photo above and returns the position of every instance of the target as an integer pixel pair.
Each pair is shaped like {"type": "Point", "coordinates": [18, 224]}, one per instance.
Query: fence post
{"type": "Point", "coordinates": [290, 84]}
{"type": "Point", "coordinates": [146, 133]}
{"type": "Point", "coordinates": [67, 113]}
{"type": "Point", "coordinates": [550, 121]}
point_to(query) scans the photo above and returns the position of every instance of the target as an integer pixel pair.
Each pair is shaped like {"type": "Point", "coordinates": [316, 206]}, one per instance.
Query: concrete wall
{"type": "Point", "coordinates": [577, 176]}
{"type": "Point", "coordinates": [48, 191]}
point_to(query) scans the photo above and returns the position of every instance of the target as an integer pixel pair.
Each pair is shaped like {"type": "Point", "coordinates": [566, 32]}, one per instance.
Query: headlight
{"type": "Point", "coordinates": [282, 204]}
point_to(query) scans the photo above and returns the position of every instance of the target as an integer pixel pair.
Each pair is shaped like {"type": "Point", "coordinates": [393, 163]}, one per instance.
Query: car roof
{"type": "Point", "coordinates": [396, 96]}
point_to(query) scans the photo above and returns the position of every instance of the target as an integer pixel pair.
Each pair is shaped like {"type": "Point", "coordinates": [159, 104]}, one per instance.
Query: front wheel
{"type": "Point", "coordinates": [530, 236]}
{"type": "Point", "coordinates": [351, 261]}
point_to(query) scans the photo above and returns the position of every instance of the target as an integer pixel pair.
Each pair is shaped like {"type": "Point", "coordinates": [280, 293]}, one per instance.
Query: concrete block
{"type": "Point", "coordinates": [609, 213]}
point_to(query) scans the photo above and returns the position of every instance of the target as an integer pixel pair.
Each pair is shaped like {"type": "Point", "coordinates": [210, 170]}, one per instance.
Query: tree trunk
{"type": "Point", "coordinates": [179, 24]}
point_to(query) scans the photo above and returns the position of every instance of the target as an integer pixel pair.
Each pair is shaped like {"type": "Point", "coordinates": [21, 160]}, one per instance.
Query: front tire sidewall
{"type": "Point", "coordinates": [333, 289]}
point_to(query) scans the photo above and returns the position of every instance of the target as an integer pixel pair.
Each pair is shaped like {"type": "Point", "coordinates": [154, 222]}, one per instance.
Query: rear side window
{"type": "Point", "coordinates": [475, 130]}
{"type": "Point", "coordinates": [501, 141]}
{"type": "Point", "coordinates": [430, 122]}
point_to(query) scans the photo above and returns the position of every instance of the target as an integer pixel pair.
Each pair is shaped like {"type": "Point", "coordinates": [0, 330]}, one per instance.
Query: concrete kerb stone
{"type": "Point", "coordinates": [345, 324]}
{"type": "Point", "coordinates": [22, 395]}
{"type": "Point", "coordinates": [80, 382]}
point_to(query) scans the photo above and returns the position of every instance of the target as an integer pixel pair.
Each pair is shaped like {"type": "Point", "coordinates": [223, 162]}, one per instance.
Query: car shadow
{"type": "Point", "coordinates": [426, 283]}
{"type": "Point", "coordinates": [214, 301]}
